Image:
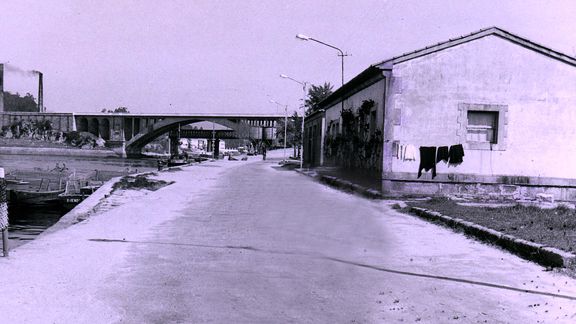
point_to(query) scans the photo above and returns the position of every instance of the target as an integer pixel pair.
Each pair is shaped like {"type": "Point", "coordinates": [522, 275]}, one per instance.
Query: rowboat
{"type": "Point", "coordinates": [34, 197]}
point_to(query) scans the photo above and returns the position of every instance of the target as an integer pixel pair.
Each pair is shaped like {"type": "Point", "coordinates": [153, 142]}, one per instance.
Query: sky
{"type": "Point", "coordinates": [226, 56]}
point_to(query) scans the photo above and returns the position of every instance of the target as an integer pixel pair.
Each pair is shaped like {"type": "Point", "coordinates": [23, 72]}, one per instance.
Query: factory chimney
{"type": "Point", "coordinates": [1, 87]}
{"type": "Point", "coordinates": [40, 93]}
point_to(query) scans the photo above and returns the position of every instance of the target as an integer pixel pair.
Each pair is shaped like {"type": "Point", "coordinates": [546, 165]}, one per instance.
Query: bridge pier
{"type": "Point", "coordinates": [216, 148]}
{"type": "Point", "coordinates": [120, 149]}
{"type": "Point", "coordinates": [174, 144]}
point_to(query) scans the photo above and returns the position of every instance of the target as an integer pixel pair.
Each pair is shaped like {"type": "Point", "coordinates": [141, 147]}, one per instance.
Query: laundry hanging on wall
{"type": "Point", "coordinates": [409, 153]}
{"type": "Point", "coordinates": [442, 154]}
{"type": "Point", "coordinates": [456, 154]}
{"type": "Point", "coordinates": [427, 160]}
{"type": "Point", "coordinates": [430, 156]}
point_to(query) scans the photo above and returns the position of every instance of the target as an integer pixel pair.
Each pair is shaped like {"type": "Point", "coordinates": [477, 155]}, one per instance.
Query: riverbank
{"type": "Point", "coordinates": [56, 278]}
{"type": "Point", "coordinates": [56, 151]}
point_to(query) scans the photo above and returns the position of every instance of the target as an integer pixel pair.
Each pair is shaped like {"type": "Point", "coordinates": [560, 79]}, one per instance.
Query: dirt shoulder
{"type": "Point", "coordinates": [555, 227]}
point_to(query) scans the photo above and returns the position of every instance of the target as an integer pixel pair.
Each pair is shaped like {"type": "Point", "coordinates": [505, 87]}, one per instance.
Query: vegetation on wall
{"type": "Point", "coordinates": [38, 129]}
{"type": "Point", "coordinates": [43, 130]}
{"type": "Point", "coordinates": [355, 146]}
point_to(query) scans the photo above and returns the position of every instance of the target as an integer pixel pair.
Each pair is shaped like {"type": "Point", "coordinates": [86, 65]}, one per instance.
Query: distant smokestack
{"type": "Point", "coordinates": [40, 93]}
{"type": "Point", "coordinates": [1, 87]}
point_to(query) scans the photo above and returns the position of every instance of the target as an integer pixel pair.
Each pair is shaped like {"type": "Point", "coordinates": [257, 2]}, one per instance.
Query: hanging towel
{"type": "Point", "coordinates": [442, 154]}
{"type": "Point", "coordinates": [427, 160]}
{"type": "Point", "coordinates": [410, 153]}
{"type": "Point", "coordinates": [456, 153]}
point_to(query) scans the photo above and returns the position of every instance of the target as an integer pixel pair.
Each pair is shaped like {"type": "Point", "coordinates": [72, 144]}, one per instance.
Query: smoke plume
{"type": "Point", "coordinates": [15, 69]}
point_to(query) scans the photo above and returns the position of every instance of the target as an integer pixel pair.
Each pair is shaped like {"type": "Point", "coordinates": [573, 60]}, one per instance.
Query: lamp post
{"type": "Point", "coordinates": [340, 53]}
{"type": "Point", "coordinates": [285, 124]}
{"type": "Point", "coordinates": [303, 113]}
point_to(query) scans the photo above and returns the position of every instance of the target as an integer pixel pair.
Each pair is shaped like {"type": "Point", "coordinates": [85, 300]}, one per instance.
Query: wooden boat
{"type": "Point", "coordinates": [76, 191]}
{"type": "Point", "coordinates": [32, 192]}
{"type": "Point", "coordinates": [34, 197]}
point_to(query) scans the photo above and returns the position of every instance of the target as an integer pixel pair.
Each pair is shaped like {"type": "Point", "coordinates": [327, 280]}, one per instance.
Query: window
{"type": "Point", "coordinates": [482, 127]}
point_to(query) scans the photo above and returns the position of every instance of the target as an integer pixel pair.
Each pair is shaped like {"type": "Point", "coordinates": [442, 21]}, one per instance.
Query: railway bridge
{"type": "Point", "coordinates": [127, 133]}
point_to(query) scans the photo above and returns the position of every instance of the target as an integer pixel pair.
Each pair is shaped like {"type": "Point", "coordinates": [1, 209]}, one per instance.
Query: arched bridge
{"type": "Point", "coordinates": [128, 133]}
{"type": "Point", "coordinates": [136, 130]}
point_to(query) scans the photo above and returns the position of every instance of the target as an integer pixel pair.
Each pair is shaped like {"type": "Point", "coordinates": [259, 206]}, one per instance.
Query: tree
{"type": "Point", "coordinates": [123, 110]}
{"type": "Point", "coordinates": [296, 136]}
{"type": "Point", "coordinates": [317, 94]}
{"type": "Point", "coordinates": [15, 102]}
{"type": "Point", "coordinates": [119, 110]}
{"type": "Point", "coordinates": [293, 132]}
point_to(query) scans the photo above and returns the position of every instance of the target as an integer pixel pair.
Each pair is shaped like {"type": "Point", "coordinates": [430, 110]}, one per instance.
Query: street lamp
{"type": "Point", "coordinates": [341, 54]}
{"type": "Point", "coordinates": [285, 124]}
{"type": "Point", "coordinates": [284, 76]}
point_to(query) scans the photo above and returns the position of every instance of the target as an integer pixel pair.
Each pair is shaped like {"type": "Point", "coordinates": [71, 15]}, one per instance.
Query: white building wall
{"type": "Point", "coordinates": [539, 92]}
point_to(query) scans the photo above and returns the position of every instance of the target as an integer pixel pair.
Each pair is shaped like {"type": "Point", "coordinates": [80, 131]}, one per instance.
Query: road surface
{"type": "Point", "coordinates": [255, 243]}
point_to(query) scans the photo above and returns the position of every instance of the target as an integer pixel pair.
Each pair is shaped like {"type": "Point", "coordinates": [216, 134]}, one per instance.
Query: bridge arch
{"type": "Point", "coordinates": [93, 126]}
{"type": "Point", "coordinates": [135, 144]}
{"type": "Point", "coordinates": [82, 125]}
{"type": "Point", "coordinates": [105, 129]}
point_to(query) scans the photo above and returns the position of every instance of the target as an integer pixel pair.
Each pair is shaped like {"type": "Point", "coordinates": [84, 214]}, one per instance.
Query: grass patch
{"type": "Point", "coordinates": [552, 227]}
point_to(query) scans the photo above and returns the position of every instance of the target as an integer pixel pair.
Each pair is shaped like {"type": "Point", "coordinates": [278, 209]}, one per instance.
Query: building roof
{"type": "Point", "coordinates": [374, 71]}
{"type": "Point", "coordinates": [476, 35]}
{"type": "Point", "coordinates": [363, 79]}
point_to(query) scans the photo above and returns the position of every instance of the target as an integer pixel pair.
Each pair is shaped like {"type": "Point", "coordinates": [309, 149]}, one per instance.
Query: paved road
{"type": "Point", "coordinates": [265, 245]}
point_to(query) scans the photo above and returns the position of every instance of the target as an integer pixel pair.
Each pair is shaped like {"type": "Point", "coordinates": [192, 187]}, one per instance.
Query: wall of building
{"type": "Point", "coordinates": [334, 123]}
{"type": "Point", "coordinates": [538, 99]}
{"type": "Point", "coordinates": [313, 126]}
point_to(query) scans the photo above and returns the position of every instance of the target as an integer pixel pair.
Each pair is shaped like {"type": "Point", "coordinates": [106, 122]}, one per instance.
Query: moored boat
{"type": "Point", "coordinates": [34, 197]}
{"type": "Point", "coordinates": [76, 191]}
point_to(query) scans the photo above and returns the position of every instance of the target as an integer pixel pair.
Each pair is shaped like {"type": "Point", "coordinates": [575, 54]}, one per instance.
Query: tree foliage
{"type": "Point", "coordinates": [119, 110]}
{"type": "Point", "coordinates": [293, 132]}
{"type": "Point", "coordinates": [15, 102]}
{"type": "Point", "coordinates": [316, 94]}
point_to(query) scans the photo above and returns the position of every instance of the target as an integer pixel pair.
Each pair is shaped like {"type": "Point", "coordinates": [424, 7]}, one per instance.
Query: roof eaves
{"type": "Point", "coordinates": [473, 36]}
{"type": "Point", "coordinates": [365, 75]}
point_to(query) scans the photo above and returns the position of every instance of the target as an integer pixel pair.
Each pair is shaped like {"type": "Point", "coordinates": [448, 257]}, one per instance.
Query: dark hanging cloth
{"type": "Point", "coordinates": [427, 160]}
{"type": "Point", "coordinates": [442, 154]}
{"type": "Point", "coordinates": [456, 153]}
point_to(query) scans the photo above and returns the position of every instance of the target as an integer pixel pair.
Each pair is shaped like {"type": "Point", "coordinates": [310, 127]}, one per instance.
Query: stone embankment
{"type": "Point", "coordinates": [56, 151]}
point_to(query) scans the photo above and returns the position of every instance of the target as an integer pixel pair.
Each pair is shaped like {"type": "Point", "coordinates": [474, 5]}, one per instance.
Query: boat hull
{"type": "Point", "coordinates": [34, 197]}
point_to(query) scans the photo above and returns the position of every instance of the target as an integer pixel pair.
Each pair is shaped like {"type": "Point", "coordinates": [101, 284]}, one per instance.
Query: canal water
{"type": "Point", "coordinates": [27, 222]}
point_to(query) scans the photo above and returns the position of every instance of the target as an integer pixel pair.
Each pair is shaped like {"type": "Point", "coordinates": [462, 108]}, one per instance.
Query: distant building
{"type": "Point", "coordinates": [509, 102]}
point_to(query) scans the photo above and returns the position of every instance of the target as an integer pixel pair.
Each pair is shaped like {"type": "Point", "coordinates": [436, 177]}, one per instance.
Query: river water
{"type": "Point", "coordinates": [27, 222]}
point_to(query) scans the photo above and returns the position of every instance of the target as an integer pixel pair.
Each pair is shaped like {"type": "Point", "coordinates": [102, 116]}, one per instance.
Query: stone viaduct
{"type": "Point", "coordinates": [127, 134]}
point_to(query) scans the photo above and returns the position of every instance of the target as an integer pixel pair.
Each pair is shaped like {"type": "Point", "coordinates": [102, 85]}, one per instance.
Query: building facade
{"type": "Point", "coordinates": [488, 113]}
